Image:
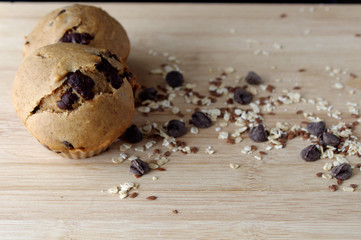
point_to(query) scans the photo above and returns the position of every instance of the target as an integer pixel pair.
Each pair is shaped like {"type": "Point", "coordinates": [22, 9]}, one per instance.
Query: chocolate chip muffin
{"type": "Point", "coordinates": [75, 99]}
{"type": "Point", "coordinates": [81, 24]}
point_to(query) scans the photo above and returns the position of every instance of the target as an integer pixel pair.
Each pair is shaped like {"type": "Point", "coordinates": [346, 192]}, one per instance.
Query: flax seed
{"type": "Point", "coordinates": [160, 169]}
{"type": "Point", "coordinates": [319, 174]}
{"type": "Point", "coordinates": [133, 195]}
{"type": "Point", "coordinates": [333, 188]}
{"type": "Point", "coordinates": [353, 185]}
{"type": "Point", "coordinates": [152, 198]}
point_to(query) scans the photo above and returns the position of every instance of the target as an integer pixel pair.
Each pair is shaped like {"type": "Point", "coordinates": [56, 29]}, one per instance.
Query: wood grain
{"type": "Point", "coordinates": [43, 196]}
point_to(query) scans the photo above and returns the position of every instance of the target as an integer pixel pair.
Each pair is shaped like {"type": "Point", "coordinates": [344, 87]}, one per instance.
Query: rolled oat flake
{"type": "Point", "coordinates": [310, 153]}
{"type": "Point", "coordinates": [342, 171]}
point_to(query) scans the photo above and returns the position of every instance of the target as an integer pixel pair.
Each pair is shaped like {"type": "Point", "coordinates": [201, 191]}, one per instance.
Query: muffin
{"type": "Point", "coordinates": [81, 24]}
{"type": "Point", "coordinates": [74, 99]}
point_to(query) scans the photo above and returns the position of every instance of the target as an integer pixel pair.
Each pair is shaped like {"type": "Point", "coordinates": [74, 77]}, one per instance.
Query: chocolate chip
{"type": "Point", "coordinates": [61, 12]}
{"type": "Point", "coordinates": [138, 167]}
{"type": "Point", "coordinates": [68, 145]}
{"type": "Point", "coordinates": [201, 120]}
{"type": "Point", "coordinates": [82, 84]}
{"type": "Point", "coordinates": [110, 72]}
{"type": "Point", "coordinates": [329, 139]}
{"type": "Point", "coordinates": [242, 96]}
{"type": "Point", "coordinates": [128, 75]}
{"type": "Point", "coordinates": [148, 94]}
{"type": "Point", "coordinates": [174, 79]}
{"type": "Point", "coordinates": [81, 38]}
{"type": "Point", "coordinates": [253, 78]}
{"type": "Point", "coordinates": [258, 134]}
{"type": "Point", "coordinates": [67, 100]}
{"type": "Point", "coordinates": [176, 128]}
{"type": "Point", "coordinates": [342, 171]}
{"type": "Point", "coordinates": [316, 128]}
{"type": "Point", "coordinates": [311, 153]}
{"type": "Point", "coordinates": [132, 134]}
{"type": "Point", "coordinates": [114, 56]}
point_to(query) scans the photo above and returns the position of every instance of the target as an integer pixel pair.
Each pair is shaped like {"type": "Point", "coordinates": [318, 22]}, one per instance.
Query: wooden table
{"type": "Point", "coordinates": [43, 196]}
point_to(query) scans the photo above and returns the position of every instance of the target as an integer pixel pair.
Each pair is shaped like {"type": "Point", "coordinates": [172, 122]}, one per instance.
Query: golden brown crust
{"type": "Point", "coordinates": [108, 33]}
{"type": "Point", "coordinates": [91, 124]}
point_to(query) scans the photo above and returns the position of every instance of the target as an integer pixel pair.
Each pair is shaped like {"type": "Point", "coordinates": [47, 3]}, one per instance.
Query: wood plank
{"type": "Point", "coordinates": [43, 196]}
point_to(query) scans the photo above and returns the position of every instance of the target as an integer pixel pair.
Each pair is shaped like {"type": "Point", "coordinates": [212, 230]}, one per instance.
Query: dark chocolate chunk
{"type": "Point", "coordinates": [316, 128]}
{"type": "Point", "coordinates": [138, 167]}
{"type": "Point", "coordinates": [201, 120]}
{"type": "Point", "coordinates": [68, 145]}
{"type": "Point", "coordinates": [258, 134]}
{"type": "Point", "coordinates": [110, 72]}
{"type": "Point", "coordinates": [253, 78]}
{"type": "Point", "coordinates": [174, 79]}
{"type": "Point", "coordinates": [114, 56]}
{"type": "Point", "coordinates": [242, 96]}
{"type": "Point", "coordinates": [148, 94]}
{"type": "Point", "coordinates": [176, 128]}
{"type": "Point", "coordinates": [329, 139]}
{"type": "Point", "coordinates": [128, 75]}
{"type": "Point", "coordinates": [61, 12]}
{"type": "Point", "coordinates": [311, 153]}
{"type": "Point", "coordinates": [67, 100]}
{"type": "Point", "coordinates": [82, 84]}
{"type": "Point", "coordinates": [132, 134]}
{"type": "Point", "coordinates": [72, 37]}
{"type": "Point", "coordinates": [342, 171]}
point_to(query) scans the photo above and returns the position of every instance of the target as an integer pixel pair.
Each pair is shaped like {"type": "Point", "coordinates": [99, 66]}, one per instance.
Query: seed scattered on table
{"type": "Point", "coordinates": [152, 198]}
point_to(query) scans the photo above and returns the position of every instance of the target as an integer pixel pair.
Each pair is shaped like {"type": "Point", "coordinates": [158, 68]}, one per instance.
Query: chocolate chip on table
{"type": "Point", "coordinates": [132, 134]}
{"type": "Point", "coordinates": [258, 134]}
{"type": "Point", "coordinates": [253, 78]}
{"type": "Point", "coordinates": [67, 100]}
{"type": "Point", "coordinates": [72, 37]}
{"type": "Point", "coordinates": [316, 128]}
{"type": "Point", "coordinates": [201, 120]}
{"type": "Point", "coordinates": [342, 171]}
{"type": "Point", "coordinates": [242, 96]}
{"type": "Point", "coordinates": [82, 84]}
{"type": "Point", "coordinates": [176, 128]}
{"type": "Point", "coordinates": [110, 72]}
{"type": "Point", "coordinates": [310, 153]}
{"type": "Point", "coordinates": [329, 139]}
{"type": "Point", "coordinates": [174, 79]}
{"type": "Point", "coordinates": [138, 167]}
{"type": "Point", "coordinates": [68, 145]}
{"type": "Point", "coordinates": [148, 94]}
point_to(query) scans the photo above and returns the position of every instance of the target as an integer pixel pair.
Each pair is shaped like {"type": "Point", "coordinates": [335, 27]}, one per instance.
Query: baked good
{"type": "Point", "coordinates": [82, 24]}
{"type": "Point", "coordinates": [75, 99]}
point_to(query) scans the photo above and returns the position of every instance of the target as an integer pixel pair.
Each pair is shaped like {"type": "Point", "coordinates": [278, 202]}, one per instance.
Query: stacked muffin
{"type": "Point", "coordinates": [73, 91]}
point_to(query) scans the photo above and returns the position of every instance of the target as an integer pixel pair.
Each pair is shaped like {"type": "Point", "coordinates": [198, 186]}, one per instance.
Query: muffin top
{"type": "Point", "coordinates": [81, 24]}
{"type": "Point", "coordinates": [72, 96]}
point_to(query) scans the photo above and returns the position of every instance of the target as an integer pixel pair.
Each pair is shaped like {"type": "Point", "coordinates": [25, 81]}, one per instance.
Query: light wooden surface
{"type": "Point", "coordinates": [43, 196]}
